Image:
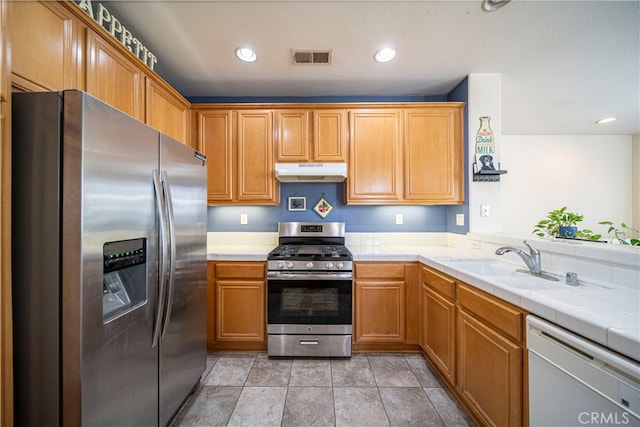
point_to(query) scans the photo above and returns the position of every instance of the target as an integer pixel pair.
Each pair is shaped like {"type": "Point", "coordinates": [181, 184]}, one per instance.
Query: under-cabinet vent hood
{"type": "Point", "coordinates": [311, 172]}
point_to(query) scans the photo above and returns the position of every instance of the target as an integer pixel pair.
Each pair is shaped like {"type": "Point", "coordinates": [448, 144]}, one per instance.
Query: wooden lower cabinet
{"type": "Point", "coordinates": [438, 321]}
{"type": "Point", "coordinates": [385, 306]}
{"type": "Point", "coordinates": [476, 343]}
{"type": "Point", "coordinates": [236, 306]}
{"type": "Point", "coordinates": [489, 372]}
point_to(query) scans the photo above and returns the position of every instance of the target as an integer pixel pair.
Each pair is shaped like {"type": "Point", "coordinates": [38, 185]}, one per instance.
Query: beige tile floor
{"type": "Point", "coordinates": [369, 389]}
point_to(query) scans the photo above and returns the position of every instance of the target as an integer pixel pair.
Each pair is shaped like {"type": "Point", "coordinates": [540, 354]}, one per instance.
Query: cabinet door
{"type": "Point", "coordinates": [240, 310]}
{"type": "Point", "coordinates": [375, 154]}
{"type": "Point", "coordinates": [256, 178]}
{"type": "Point", "coordinates": [437, 336]}
{"type": "Point", "coordinates": [433, 163]}
{"type": "Point", "coordinates": [114, 78]}
{"type": "Point", "coordinates": [292, 136]}
{"type": "Point", "coordinates": [489, 372]}
{"type": "Point", "coordinates": [380, 311]}
{"type": "Point", "coordinates": [167, 112]}
{"type": "Point", "coordinates": [44, 46]}
{"type": "Point", "coordinates": [330, 136]}
{"type": "Point", "coordinates": [215, 141]}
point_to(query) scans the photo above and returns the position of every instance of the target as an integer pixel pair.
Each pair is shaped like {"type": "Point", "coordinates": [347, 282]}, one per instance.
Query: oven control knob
{"type": "Point", "coordinates": [280, 265]}
{"type": "Point", "coordinates": [290, 265]}
{"type": "Point", "coordinates": [329, 265]}
{"type": "Point", "coordinates": [339, 265]}
{"type": "Point", "coordinates": [309, 265]}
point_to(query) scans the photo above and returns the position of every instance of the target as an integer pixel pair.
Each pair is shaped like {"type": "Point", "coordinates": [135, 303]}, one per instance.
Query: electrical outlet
{"type": "Point", "coordinates": [484, 210]}
{"type": "Point", "coordinates": [399, 219]}
{"type": "Point", "coordinates": [475, 244]}
{"type": "Point", "coordinates": [460, 219]}
{"type": "Point", "coordinates": [244, 220]}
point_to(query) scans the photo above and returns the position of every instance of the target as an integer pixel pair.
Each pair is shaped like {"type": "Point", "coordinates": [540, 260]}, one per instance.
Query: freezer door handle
{"type": "Point", "coordinates": [172, 249]}
{"type": "Point", "coordinates": [164, 239]}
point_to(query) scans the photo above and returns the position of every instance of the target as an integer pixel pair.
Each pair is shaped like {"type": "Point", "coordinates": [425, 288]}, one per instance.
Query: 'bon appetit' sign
{"type": "Point", "coordinates": [106, 20]}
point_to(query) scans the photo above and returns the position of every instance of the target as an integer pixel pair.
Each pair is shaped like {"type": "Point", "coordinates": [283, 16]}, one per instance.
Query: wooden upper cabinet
{"type": "Point", "coordinates": [114, 78]}
{"type": "Point", "coordinates": [256, 178]}
{"type": "Point", "coordinates": [304, 135]}
{"type": "Point", "coordinates": [45, 41]}
{"type": "Point", "coordinates": [375, 154]}
{"type": "Point", "coordinates": [410, 156]}
{"type": "Point", "coordinates": [292, 135]}
{"type": "Point", "coordinates": [240, 155]}
{"type": "Point", "coordinates": [433, 155]}
{"type": "Point", "coordinates": [167, 111]}
{"type": "Point", "coordinates": [330, 135]}
{"type": "Point", "coordinates": [215, 135]}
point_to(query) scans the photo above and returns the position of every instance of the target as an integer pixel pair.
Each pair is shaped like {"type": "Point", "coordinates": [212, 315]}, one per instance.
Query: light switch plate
{"type": "Point", "coordinates": [244, 220]}
{"type": "Point", "coordinates": [460, 219]}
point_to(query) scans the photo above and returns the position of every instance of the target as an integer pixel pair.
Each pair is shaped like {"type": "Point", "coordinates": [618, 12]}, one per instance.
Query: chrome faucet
{"type": "Point", "coordinates": [532, 259]}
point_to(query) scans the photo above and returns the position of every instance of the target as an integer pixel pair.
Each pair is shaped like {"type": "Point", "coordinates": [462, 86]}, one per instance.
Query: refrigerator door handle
{"type": "Point", "coordinates": [172, 249]}
{"type": "Point", "coordinates": [160, 308]}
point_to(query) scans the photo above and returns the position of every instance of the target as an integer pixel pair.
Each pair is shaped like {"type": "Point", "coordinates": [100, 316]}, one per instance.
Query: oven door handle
{"type": "Point", "coordinates": [282, 275]}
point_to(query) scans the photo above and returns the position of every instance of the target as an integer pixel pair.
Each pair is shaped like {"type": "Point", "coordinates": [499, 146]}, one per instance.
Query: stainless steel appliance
{"type": "Point", "coordinates": [573, 381]}
{"type": "Point", "coordinates": [109, 265]}
{"type": "Point", "coordinates": [309, 287]}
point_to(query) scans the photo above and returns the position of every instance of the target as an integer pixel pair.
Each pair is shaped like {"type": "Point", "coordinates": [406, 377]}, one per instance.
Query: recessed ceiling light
{"type": "Point", "coordinates": [493, 5]}
{"type": "Point", "coordinates": [245, 54]}
{"type": "Point", "coordinates": [607, 120]}
{"type": "Point", "coordinates": [385, 54]}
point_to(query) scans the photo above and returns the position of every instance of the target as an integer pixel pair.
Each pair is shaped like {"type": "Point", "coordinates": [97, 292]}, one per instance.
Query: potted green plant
{"type": "Point", "coordinates": [620, 235]}
{"type": "Point", "coordinates": [561, 223]}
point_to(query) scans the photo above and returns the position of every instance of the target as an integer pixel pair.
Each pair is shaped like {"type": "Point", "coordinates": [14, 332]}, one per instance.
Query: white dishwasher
{"type": "Point", "coordinates": [575, 382]}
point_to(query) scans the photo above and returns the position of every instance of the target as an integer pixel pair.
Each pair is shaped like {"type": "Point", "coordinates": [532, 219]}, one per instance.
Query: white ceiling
{"type": "Point", "coordinates": [564, 64]}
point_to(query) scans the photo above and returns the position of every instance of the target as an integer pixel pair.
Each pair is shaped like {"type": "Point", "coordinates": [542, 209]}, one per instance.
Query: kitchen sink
{"type": "Point", "coordinates": [532, 283]}
{"type": "Point", "coordinates": [483, 267]}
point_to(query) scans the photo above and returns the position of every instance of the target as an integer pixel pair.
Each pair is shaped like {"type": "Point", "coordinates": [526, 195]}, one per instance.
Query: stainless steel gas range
{"type": "Point", "coordinates": [309, 287]}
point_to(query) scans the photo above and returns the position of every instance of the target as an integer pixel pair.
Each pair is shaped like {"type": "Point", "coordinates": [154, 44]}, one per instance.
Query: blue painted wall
{"type": "Point", "coordinates": [461, 94]}
{"type": "Point", "coordinates": [357, 218]}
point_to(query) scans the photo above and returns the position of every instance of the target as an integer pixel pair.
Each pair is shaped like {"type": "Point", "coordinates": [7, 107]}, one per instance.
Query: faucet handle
{"type": "Point", "coordinates": [572, 279]}
{"type": "Point", "coordinates": [531, 248]}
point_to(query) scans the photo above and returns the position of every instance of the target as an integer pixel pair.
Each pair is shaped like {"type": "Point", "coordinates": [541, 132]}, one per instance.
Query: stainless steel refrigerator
{"type": "Point", "coordinates": [108, 263]}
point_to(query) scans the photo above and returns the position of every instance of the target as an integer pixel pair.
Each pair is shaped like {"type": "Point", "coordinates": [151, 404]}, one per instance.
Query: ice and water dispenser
{"type": "Point", "coordinates": [124, 281]}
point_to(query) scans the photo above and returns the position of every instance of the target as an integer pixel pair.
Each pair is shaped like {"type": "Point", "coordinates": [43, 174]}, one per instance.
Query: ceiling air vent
{"type": "Point", "coordinates": [311, 56]}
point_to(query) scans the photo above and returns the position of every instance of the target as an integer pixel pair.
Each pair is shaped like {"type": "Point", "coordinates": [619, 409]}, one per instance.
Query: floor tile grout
{"type": "Point", "coordinates": [216, 402]}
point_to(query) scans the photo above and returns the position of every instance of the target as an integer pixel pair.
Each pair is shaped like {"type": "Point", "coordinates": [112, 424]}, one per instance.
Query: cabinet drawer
{"type": "Point", "coordinates": [500, 315]}
{"type": "Point", "coordinates": [379, 271]}
{"type": "Point", "coordinates": [240, 270]}
{"type": "Point", "coordinates": [439, 282]}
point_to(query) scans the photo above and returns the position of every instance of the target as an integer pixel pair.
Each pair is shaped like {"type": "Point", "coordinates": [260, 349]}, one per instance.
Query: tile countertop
{"type": "Point", "coordinates": [605, 313]}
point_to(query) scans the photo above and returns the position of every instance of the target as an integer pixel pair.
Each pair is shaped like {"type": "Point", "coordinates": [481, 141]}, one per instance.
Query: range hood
{"type": "Point", "coordinates": [311, 172]}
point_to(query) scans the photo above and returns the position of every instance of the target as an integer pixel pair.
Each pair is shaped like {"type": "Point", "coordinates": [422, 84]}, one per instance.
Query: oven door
{"type": "Point", "coordinates": [299, 299]}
